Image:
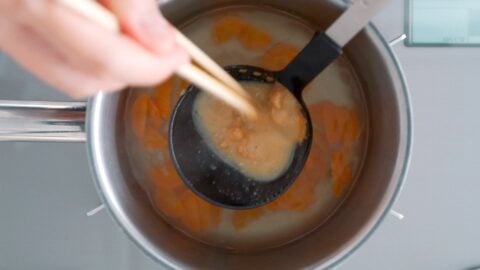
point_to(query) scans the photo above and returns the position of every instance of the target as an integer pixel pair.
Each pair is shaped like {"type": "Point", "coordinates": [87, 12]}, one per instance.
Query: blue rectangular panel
{"type": "Point", "coordinates": [443, 23]}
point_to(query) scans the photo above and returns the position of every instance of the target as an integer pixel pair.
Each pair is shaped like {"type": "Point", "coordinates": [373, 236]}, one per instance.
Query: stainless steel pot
{"type": "Point", "coordinates": [379, 182]}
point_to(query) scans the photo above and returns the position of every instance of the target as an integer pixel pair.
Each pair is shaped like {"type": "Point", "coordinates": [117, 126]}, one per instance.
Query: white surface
{"type": "Point", "coordinates": [45, 189]}
{"type": "Point", "coordinates": [446, 21]}
{"type": "Point", "coordinates": [354, 19]}
{"type": "Point", "coordinates": [441, 228]}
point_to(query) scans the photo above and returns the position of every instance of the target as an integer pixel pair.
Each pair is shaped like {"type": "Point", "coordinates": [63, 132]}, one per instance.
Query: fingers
{"type": "Point", "coordinates": [142, 20]}
{"type": "Point", "coordinates": [36, 55]}
{"type": "Point", "coordinates": [76, 55]}
{"type": "Point", "coordinates": [105, 54]}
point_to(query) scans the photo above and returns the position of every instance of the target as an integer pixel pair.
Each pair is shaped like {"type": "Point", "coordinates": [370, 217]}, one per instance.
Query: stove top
{"type": "Point", "coordinates": [46, 189]}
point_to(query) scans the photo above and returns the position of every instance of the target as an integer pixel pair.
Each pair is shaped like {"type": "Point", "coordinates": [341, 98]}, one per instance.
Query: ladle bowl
{"type": "Point", "coordinates": [212, 178]}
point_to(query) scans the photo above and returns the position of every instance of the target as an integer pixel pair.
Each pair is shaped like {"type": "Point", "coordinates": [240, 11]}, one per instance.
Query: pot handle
{"type": "Point", "coordinates": [42, 121]}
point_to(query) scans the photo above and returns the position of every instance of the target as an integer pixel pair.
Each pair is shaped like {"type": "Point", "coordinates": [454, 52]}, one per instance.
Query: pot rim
{"type": "Point", "coordinates": [400, 171]}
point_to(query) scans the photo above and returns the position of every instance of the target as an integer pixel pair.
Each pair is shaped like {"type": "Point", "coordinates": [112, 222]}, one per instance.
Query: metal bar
{"type": "Point", "coordinates": [42, 121]}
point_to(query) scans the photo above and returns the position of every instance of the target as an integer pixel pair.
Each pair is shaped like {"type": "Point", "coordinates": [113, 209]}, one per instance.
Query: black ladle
{"type": "Point", "coordinates": [220, 183]}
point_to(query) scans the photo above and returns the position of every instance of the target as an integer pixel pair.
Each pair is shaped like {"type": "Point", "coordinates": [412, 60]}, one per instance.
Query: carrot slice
{"type": "Point", "coordinates": [227, 28]}
{"type": "Point", "coordinates": [183, 84]}
{"type": "Point", "coordinates": [139, 114]}
{"type": "Point", "coordinates": [278, 56]}
{"type": "Point", "coordinates": [333, 121]}
{"type": "Point", "coordinates": [190, 213]}
{"type": "Point", "coordinates": [253, 38]}
{"type": "Point", "coordinates": [351, 128]}
{"type": "Point", "coordinates": [301, 194]}
{"type": "Point", "coordinates": [340, 124]}
{"type": "Point", "coordinates": [162, 99]}
{"type": "Point", "coordinates": [342, 181]}
{"type": "Point", "coordinates": [181, 205]}
{"type": "Point", "coordinates": [317, 163]}
{"type": "Point", "coordinates": [154, 140]}
{"type": "Point", "coordinates": [165, 180]}
{"type": "Point", "coordinates": [299, 197]}
{"type": "Point", "coordinates": [339, 160]}
{"type": "Point", "coordinates": [167, 187]}
{"type": "Point", "coordinates": [155, 119]}
{"type": "Point", "coordinates": [341, 171]}
{"type": "Point", "coordinates": [147, 123]}
{"type": "Point", "coordinates": [197, 214]}
{"type": "Point", "coordinates": [242, 219]}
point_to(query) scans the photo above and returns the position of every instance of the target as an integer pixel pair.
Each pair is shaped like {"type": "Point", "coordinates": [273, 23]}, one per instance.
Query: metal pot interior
{"type": "Point", "coordinates": [377, 185]}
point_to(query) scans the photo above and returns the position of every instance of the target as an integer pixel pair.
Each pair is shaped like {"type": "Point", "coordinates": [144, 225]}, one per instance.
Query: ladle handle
{"type": "Point", "coordinates": [358, 14]}
{"type": "Point", "coordinates": [325, 47]}
{"type": "Point", "coordinates": [316, 56]}
{"type": "Point", "coordinates": [42, 121]}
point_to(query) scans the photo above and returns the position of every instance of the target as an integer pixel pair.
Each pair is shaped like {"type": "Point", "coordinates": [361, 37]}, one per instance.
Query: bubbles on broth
{"type": "Point", "coordinates": [270, 39]}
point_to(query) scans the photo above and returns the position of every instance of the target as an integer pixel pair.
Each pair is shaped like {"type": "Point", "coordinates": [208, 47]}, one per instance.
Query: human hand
{"type": "Point", "coordinates": [81, 58]}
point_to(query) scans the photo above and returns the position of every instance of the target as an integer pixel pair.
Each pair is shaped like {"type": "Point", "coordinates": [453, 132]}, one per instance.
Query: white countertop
{"type": "Point", "coordinates": [46, 189]}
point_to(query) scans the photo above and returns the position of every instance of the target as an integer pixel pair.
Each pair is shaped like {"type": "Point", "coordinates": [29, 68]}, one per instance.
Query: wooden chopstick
{"type": "Point", "coordinates": [208, 63]}
{"type": "Point", "coordinates": [223, 86]}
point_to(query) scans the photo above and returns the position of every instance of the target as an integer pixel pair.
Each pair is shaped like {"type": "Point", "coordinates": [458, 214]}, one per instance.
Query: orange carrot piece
{"type": "Point", "coordinates": [168, 205]}
{"type": "Point", "coordinates": [299, 197]}
{"type": "Point", "coordinates": [301, 194]}
{"type": "Point", "coordinates": [339, 160]}
{"type": "Point", "coordinates": [341, 171]}
{"type": "Point", "coordinates": [342, 181]}
{"type": "Point", "coordinates": [341, 125]}
{"type": "Point", "coordinates": [183, 84]}
{"type": "Point", "coordinates": [139, 114]}
{"type": "Point", "coordinates": [226, 28]}
{"type": "Point", "coordinates": [155, 119]}
{"type": "Point", "coordinates": [154, 140]}
{"type": "Point", "coordinates": [150, 131]}
{"type": "Point", "coordinates": [190, 212]}
{"type": "Point", "coordinates": [198, 215]}
{"type": "Point", "coordinates": [278, 56]}
{"type": "Point", "coordinates": [165, 180]}
{"type": "Point", "coordinates": [242, 219]}
{"type": "Point", "coordinates": [333, 120]}
{"type": "Point", "coordinates": [316, 115]}
{"type": "Point", "coordinates": [351, 129]}
{"type": "Point", "coordinates": [176, 201]}
{"type": "Point", "coordinates": [253, 38]}
{"type": "Point", "coordinates": [162, 99]}
{"type": "Point", "coordinates": [167, 187]}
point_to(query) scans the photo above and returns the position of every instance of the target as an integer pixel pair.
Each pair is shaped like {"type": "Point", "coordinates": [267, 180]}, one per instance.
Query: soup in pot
{"type": "Point", "coordinates": [270, 39]}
